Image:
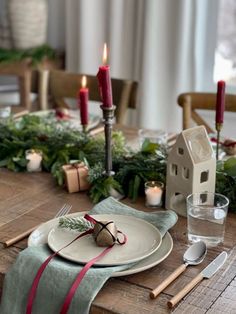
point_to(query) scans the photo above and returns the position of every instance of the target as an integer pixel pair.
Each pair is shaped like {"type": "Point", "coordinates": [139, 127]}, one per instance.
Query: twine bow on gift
{"type": "Point", "coordinates": [76, 182]}
{"type": "Point", "coordinates": [77, 166]}
{"type": "Point", "coordinates": [81, 274]}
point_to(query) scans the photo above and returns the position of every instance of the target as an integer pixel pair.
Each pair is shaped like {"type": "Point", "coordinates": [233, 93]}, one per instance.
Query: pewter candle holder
{"type": "Point", "coordinates": [108, 116]}
{"type": "Point", "coordinates": [85, 128]}
{"type": "Point", "coordinates": [218, 130]}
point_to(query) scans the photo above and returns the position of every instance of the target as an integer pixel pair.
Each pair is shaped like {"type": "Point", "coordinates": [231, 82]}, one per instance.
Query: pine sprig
{"type": "Point", "coordinates": [79, 223]}
{"type": "Point", "coordinates": [101, 188]}
{"type": "Point", "coordinates": [96, 172]}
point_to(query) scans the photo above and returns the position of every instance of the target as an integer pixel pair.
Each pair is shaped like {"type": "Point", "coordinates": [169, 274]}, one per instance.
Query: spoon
{"type": "Point", "coordinates": [194, 255]}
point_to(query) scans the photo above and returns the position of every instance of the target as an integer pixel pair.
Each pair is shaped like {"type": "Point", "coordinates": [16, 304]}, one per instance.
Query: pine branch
{"type": "Point", "coordinates": [79, 224]}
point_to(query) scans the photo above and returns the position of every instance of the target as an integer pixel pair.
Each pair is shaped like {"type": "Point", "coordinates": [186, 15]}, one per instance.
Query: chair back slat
{"type": "Point", "coordinates": [63, 85]}
{"type": "Point", "coordinates": [190, 102]}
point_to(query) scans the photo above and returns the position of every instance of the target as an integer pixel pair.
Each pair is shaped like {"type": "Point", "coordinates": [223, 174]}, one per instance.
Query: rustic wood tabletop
{"type": "Point", "coordinates": [28, 199]}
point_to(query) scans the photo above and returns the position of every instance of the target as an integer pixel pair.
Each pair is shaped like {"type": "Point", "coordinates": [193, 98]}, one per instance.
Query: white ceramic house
{"type": "Point", "coordinates": [191, 168]}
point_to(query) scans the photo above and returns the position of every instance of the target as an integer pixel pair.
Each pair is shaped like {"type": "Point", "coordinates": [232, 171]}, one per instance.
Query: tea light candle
{"type": "Point", "coordinates": [153, 191]}
{"type": "Point", "coordinates": [34, 160]}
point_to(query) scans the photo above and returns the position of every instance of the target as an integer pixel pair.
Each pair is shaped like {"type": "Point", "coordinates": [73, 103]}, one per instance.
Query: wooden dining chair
{"type": "Point", "coordinates": [62, 85]}
{"type": "Point", "coordinates": [190, 102]}
{"type": "Point", "coordinates": [31, 78]}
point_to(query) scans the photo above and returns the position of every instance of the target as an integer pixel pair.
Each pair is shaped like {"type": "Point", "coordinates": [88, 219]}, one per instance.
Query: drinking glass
{"type": "Point", "coordinates": [206, 214]}
{"type": "Point", "coordinates": [154, 136]}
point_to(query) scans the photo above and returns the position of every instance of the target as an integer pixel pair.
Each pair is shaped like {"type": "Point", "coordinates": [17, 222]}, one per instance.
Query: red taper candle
{"type": "Point", "coordinates": [220, 102]}
{"type": "Point", "coordinates": [83, 101]}
{"type": "Point", "coordinates": [104, 81]}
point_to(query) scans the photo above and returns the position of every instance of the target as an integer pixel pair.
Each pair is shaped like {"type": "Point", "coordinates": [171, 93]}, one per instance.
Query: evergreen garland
{"type": "Point", "coordinates": [59, 144]}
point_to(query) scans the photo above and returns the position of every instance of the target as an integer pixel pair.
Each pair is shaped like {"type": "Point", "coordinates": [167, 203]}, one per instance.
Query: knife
{"type": "Point", "coordinates": [207, 272]}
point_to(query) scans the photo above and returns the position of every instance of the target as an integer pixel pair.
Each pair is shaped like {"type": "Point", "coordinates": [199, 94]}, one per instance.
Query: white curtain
{"type": "Point", "coordinates": [155, 42]}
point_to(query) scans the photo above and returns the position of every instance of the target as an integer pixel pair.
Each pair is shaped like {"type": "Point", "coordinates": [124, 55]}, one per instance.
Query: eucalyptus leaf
{"type": "Point", "coordinates": [137, 182]}
{"type": "Point", "coordinates": [230, 166]}
{"type": "Point", "coordinates": [149, 147]}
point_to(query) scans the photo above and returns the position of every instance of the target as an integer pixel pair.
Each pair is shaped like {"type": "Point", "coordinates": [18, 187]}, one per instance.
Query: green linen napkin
{"type": "Point", "coordinates": [60, 274]}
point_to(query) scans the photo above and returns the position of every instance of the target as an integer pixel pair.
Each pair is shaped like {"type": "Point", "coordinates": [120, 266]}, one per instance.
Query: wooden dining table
{"type": "Point", "coordinates": [28, 199]}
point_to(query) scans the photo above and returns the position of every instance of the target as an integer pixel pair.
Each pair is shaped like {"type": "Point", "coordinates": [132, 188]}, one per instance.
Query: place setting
{"type": "Point", "coordinates": [137, 241]}
{"type": "Point", "coordinates": [156, 246]}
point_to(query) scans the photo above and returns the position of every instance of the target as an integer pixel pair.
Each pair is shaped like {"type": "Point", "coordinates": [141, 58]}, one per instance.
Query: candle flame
{"type": "Point", "coordinates": [104, 58]}
{"type": "Point", "coordinates": [84, 81]}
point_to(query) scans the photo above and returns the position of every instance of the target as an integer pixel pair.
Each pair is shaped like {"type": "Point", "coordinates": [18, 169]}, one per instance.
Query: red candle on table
{"type": "Point", "coordinates": [83, 101]}
{"type": "Point", "coordinates": [220, 102]}
{"type": "Point", "coordinates": [104, 81]}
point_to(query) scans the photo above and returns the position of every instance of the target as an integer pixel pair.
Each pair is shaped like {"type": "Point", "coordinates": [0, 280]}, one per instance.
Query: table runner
{"type": "Point", "coordinates": [60, 274]}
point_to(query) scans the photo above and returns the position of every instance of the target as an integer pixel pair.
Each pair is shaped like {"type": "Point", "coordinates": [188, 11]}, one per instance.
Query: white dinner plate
{"type": "Point", "coordinates": [40, 235]}
{"type": "Point", "coordinates": [143, 239]}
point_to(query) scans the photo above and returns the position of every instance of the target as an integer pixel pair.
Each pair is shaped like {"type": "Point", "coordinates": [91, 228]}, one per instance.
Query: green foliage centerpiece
{"type": "Point", "coordinates": [59, 143]}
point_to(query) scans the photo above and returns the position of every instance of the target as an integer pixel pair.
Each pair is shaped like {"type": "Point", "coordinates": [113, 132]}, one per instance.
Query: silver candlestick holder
{"type": "Point", "coordinates": [85, 128]}
{"type": "Point", "coordinates": [108, 116]}
{"type": "Point", "coordinates": [218, 130]}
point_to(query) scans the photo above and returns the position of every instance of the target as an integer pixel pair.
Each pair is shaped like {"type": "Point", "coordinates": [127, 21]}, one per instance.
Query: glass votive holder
{"type": "Point", "coordinates": [154, 191]}
{"type": "Point", "coordinates": [154, 136]}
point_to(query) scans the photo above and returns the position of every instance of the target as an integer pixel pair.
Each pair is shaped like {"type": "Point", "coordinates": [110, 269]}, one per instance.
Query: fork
{"type": "Point", "coordinates": [62, 212]}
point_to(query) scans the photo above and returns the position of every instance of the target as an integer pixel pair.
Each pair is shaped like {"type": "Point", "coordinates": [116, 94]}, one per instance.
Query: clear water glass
{"type": "Point", "coordinates": [206, 214]}
{"type": "Point", "coordinates": [154, 136]}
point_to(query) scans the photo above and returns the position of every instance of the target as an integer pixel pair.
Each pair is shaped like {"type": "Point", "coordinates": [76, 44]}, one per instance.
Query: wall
{"type": "Point", "coordinates": [56, 35]}
{"type": "Point", "coordinates": [56, 24]}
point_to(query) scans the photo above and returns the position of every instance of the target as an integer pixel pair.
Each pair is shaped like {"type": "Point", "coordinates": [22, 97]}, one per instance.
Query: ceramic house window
{"type": "Point", "coordinates": [180, 151]}
{"type": "Point", "coordinates": [204, 176]}
{"type": "Point", "coordinates": [174, 170]}
{"type": "Point", "coordinates": [185, 172]}
{"type": "Point", "coordinates": [203, 197]}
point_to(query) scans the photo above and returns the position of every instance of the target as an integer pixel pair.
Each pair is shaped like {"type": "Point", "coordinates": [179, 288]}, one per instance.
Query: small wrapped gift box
{"type": "Point", "coordinates": [76, 176]}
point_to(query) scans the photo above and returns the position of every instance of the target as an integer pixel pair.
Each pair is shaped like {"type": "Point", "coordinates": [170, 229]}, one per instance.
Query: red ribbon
{"type": "Point", "coordinates": [35, 283]}
{"type": "Point", "coordinates": [213, 139]}
{"type": "Point", "coordinates": [91, 219]}
{"type": "Point", "coordinates": [78, 279]}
